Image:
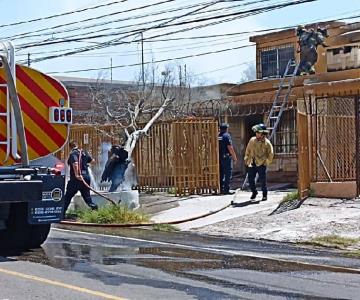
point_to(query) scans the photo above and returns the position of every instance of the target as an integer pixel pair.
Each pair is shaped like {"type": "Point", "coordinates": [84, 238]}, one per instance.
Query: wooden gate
{"type": "Point", "coordinates": [304, 174]}
{"type": "Point", "coordinates": [328, 141]}
{"type": "Point", "coordinates": [181, 156]}
{"type": "Point", "coordinates": [334, 131]}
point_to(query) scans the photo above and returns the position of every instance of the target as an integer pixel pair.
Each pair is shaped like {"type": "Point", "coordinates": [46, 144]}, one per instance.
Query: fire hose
{"type": "Point", "coordinates": [88, 186]}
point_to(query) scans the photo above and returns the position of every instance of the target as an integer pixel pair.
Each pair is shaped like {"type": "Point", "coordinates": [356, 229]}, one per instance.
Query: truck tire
{"type": "Point", "coordinates": [19, 234]}
{"type": "Point", "coordinates": [38, 235]}
{"type": "Point", "coordinates": [14, 235]}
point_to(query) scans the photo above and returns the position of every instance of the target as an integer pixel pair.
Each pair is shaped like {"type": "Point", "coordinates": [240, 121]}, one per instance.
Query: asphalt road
{"type": "Point", "coordinates": [143, 264]}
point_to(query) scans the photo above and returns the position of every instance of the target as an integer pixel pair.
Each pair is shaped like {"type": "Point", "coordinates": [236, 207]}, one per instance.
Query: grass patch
{"type": "Point", "coordinates": [289, 197]}
{"type": "Point", "coordinates": [172, 191]}
{"type": "Point", "coordinates": [353, 254]}
{"type": "Point", "coordinates": [334, 241]}
{"type": "Point", "coordinates": [165, 227]}
{"type": "Point", "coordinates": [110, 214]}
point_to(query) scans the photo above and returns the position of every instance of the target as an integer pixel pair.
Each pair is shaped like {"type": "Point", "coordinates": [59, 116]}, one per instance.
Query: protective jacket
{"type": "Point", "coordinates": [258, 152]}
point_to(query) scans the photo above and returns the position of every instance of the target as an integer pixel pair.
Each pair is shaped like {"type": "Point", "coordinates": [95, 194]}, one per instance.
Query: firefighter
{"type": "Point", "coordinates": [79, 176]}
{"type": "Point", "coordinates": [227, 156]}
{"type": "Point", "coordinates": [308, 41]}
{"type": "Point", "coordinates": [115, 167]}
{"type": "Point", "coordinates": [259, 154]}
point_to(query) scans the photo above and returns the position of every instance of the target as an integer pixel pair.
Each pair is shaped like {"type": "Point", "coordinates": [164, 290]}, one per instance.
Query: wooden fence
{"type": "Point", "coordinates": [304, 174]}
{"type": "Point", "coordinates": [178, 156]}
{"type": "Point", "coordinates": [328, 138]}
{"type": "Point", "coordinates": [181, 155]}
{"type": "Point", "coordinates": [334, 132]}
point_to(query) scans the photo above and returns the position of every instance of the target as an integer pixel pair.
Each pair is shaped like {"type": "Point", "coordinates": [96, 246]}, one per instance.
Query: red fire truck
{"type": "Point", "coordinates": [35, 116]}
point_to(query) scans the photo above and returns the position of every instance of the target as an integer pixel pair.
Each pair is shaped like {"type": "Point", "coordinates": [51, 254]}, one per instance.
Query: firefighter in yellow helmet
{"type": "Point", "coordinates": [259, 154]}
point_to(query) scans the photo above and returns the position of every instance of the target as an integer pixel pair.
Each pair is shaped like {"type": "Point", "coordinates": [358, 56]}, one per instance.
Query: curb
{"type": "Point", "coordinates": [72, 223]}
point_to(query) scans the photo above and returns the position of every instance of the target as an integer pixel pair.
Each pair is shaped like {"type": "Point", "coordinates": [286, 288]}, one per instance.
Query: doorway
{"type": "Point", "coordinates": [250, 121]}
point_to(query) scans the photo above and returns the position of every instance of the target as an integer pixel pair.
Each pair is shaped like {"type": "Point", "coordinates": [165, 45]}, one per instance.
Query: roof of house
{"type": "Point", "coordinates": [290, 32]}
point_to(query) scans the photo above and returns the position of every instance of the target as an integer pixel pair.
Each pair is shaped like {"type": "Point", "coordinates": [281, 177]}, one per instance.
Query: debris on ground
{"type": "Point", "coordinates": [315, 218]}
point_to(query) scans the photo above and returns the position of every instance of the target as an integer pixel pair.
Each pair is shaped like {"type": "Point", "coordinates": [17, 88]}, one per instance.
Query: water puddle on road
{"type": "Point", "coordinates": [66, 255]}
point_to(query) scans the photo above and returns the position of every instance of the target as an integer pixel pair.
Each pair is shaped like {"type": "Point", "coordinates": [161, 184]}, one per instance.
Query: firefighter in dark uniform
{"type": "Point", "coordinates": [78, 174]}
{"type": "Point", "coordinates": [226, 157]}
{"type": "Point", "coordinates": [308, 41]}
{"type": "Point", "coordinates": [115, 167]}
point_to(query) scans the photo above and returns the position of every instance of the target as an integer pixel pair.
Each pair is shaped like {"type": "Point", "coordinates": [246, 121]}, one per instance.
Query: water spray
{"type": "Point", "coordinates": [88, 186]}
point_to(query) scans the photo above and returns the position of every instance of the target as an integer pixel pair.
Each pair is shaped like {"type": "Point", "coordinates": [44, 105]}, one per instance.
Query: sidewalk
{"type": "Point", "coordinates": [200, 205]}
{"type": "Point", "coordinates": [317, 217]}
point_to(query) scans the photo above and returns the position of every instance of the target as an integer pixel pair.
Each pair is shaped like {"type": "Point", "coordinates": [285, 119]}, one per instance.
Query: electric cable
{"type": "Point", "coordinates": [61, 15]}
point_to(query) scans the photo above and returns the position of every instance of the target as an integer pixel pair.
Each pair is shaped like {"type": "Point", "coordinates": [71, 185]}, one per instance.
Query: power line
{"type": "Point", "coordinates": [96, 18]}
{"type": "Point", "coordinates": [167, 11]}
{"type": "Point", "coordinates": [62, 14]}
{"type": "Point", "coordinates": [157, 61]}
{"type": "Point", "coordinates": [152, 39]}
{"type": "Point", "coordinates": [165, 24]}
{"type": "Point", "coordinates": [136, 52]}
{"type": "Point", "coordinates": [131, 33]}
{"type": "Point", "coordinates": [31, 34]}
{"type": "Point", "coordinates": [169, 59]}
{"type": "Point", "coordinates": [113, 41]}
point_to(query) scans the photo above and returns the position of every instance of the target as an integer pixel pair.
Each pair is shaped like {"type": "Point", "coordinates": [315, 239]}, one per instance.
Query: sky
{"type": "Point", "coordinates": [123, 21]}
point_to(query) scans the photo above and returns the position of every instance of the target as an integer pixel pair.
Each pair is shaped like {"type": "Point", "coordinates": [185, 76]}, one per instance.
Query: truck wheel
{"type": "Point", "coordinates": [19, 234]}
{"type": "Point", "coordinates": [37, 235]}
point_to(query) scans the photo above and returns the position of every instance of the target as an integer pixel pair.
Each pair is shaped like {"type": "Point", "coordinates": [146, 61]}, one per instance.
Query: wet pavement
{"type": "Point", "coordinates": [143, 264]}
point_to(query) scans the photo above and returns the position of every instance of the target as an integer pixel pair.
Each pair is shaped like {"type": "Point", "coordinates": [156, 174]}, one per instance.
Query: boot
{"type": "Point", "coordinates": [253, 195]}
{"type": "Point", "coordinates": [93, 206]}
{"type": "Point", "coordinates": [264, 198]}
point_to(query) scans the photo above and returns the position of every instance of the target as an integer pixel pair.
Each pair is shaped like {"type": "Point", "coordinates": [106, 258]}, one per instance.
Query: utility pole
{"type": "Point", "coordinates": [28, 60]}
{"type": "Point", "coordinates": [142, 60]}
{"type": "Point", "coordinates": [111, 69]}
{"type": "Point", "coordinates": [185, 75]}
{"type": "Point", "coordinates": [180, 79]}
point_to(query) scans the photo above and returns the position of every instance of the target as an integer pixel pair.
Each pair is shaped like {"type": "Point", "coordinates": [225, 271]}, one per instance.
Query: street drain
{"type": "Point", "coordinates": [286, 206]}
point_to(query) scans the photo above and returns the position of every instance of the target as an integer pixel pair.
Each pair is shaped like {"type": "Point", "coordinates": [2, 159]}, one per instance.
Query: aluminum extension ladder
{"type": "Point", "coordinates": [12, 114]}
{"type": "Point", "coordinates": [281, 99]}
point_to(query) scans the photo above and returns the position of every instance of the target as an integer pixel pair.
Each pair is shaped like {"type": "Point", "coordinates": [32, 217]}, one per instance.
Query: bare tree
{"type": "Point", "coordinates": [135, 106]}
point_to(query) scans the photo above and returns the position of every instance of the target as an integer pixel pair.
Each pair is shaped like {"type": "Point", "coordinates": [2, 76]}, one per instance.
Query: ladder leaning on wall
{"type": "Point", "coordinates": [281, 99]}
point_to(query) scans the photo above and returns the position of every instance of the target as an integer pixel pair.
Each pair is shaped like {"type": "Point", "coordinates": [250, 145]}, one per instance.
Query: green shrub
{"type": "Point", "coordinates": [111, 214]}
{"type": "Point", "coordinates": [292, 196]}
{"type": "Point", "coordinates": [171, 191]}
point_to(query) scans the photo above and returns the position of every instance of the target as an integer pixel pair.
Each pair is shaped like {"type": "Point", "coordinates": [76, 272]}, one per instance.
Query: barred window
{"type": "Point", "coordinates": [285, 138]}
{"type": "Point", "coordinates": [274, 60]}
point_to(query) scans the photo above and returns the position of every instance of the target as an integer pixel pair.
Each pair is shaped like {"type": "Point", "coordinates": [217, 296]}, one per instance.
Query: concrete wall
{"type": "Point", "coordinates": [347, 190]}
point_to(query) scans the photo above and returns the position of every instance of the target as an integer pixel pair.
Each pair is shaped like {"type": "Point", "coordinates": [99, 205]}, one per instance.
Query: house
{"type": "Point", "coordinates": [337, 75]}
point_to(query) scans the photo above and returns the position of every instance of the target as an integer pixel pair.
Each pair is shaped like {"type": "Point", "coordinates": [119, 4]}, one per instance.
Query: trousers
{"type": "Point", "coordinates": [261, 170]}
{"type": "Point", "coordinates": [73, 186]}
{"type": "Point", "coordinates": [117, 176]}
{"type": "Point", "coordinates": [225, 173]}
